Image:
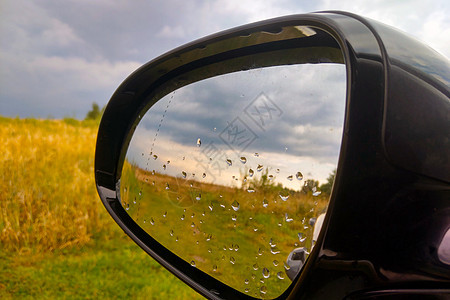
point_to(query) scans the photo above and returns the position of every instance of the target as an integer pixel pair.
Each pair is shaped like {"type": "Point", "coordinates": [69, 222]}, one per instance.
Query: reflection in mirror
{"type": "Point", "coordinates": [231, 173]}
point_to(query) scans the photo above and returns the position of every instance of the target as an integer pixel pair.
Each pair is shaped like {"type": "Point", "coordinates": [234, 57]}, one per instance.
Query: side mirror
{"type": "Point", "coordinates": [221, 157]}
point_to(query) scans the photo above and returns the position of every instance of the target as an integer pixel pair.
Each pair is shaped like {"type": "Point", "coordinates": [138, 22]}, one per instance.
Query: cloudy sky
{"type": "Point", "coordinates": [57, 57]}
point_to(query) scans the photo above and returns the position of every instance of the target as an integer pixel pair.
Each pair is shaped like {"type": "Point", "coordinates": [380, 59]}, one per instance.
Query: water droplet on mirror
{"type": "Point", "coordinates": [305, 227]}
{"type": "Point", "coordinates": [155, 157]}
{"type": "Point", "coordinates": [287, 267]}
{"type": "Point", "coordinates": [266, 273]}
{"type": "Point", "coordinates": [199, 197]}
{"type": "Point", "coordinates": [171, 232]}
{"type": "Point", "coordinates": [204, 175]}
{"type": "Point", "coordinates": [193, 214]}
{"type": "Point", "coordinates": [209, 250]}
{"type": "Point", "coordinates": [301, 237]}
{"type": "Point", "coordinates": [250, 190]}
{"type": "Point", "coordinates": [167, 186]}
{"type": "Point", "coordinates": [263, 290]}
{"type": "Point", "coordinates": [280, 275]}
{"type": "Point", "coordinates": [153, 172]}
{"type": "Point", "coordinates": [290, 177]}
{"type": "Point", "coordinates": [182, 217]}
{"type": "Point", "coordinates": [299, 175]}
{"type": "Point", "coordinates": [276, 263]}
{"type": "Point", "coordinates": [235, 205]}
{"type": "Point", "coordinates": [315, 194]}
{"type": "Point", "coordinates": [260, 251]}
{"type": "Point", "coordinates": [232, 260]}
{"type": "Point", "coordinates": [165, 214]}
{"type": "Point", "coordinates": [270, 177]}
{"type": "Point", "coordinates": [272, 243]}
{"type": "Point", "coordinates": [233, 217]}
{"type": "Point", "coordinates": [251, 172]}
{"type": "Point", "coordinates": [236, 247]}
{"type": "Point", "coordinates": [214, 268]}
{"type": "Point", "coordinates": [256, 154]}
{"type": "Point", "coordinates": [274, 250]}
{"type": "Point", "coordinates": [192, 225]}
{"type": "Point", "coordinates": [255, 267]}
{"type": "Point", "coordinates": [259, 168]}
{"type": "Point", "coordinates": [229, 162]}
{"type": "Point", "coordinates": [246, 290]}
{"type": "Point", "coordinates": [199, 142]}
{"type": "Point", "coordinates": [215, 129]}
{"type": "Point", "coordinates": [184, 174]}
{"type": "Point", "coordinates": [246, 281]}
{"type": "Point", "coordinates": [209, 237]}
{"type": "Point", "coordinates": [152, 221]}
{"type": "Point", "coordinates": [210, 206]}
{"type": "Point", "coordinates": [287, 218]}
{"type": "Point", "coordinates": [193, 263]}
{"type": "Point", "coordinates": [164, 167]}
{"type": "Point", "coordinates": [243, 159]}
{"type": "Point", "coordinates": [284, 198]}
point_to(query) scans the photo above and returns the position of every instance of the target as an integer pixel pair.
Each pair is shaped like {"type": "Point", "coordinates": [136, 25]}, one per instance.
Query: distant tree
{"type": "Point", "coordinates": [94, 113]}
{"type": "Point", "coordinates": [326, 187]}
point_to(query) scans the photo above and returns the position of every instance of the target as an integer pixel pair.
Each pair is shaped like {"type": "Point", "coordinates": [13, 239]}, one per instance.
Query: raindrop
{"type": "Point", "coordinates": [182, 217]}
{"type": "Point", "coordinates": [301, 237]}
{"type": "Point", "coordinates": [232, 260]}
{"type": "Point", "coordinates": [153, 182]}
{"type": "Point", "coordinates": [260, 251]}
{"type": "Point", "coordinates": [153, 172]}
{"type": "Point", "coordinates": [164, 167]}
{"type": "Point", "coordinates": [299, 175]}
{"type": "Point", "coordinates": [199, 142]}
{"type": "Point", "coordinates": [192, 225]}
{"type": "Point", "coordinates": [235, 205]}
{"type": "Point", "coordinates": [171, 232]}
{"type": "Point", "coordinates": [274, 250]}
{"type": "Point", "coordinates": [209, 250]}
{"type": "Point", "coordinates": [290, 177]}
{"type": "Point", "coordinates": [209, 237]}
{"type": "Point", "coordinates": [215, 129]}
{"type": "Point", "coordinates": [204, 175]}
{"type": "Point", "coordinates": [280, 275]}
{"type": "Point", "coordinates": [250, 190]}
{"type": "Point", "coordinates": [124, 189]}
{"type": "Point", "coordinates": [263, 290]}
{"type": "Point", "coordinates": [275, 263]}
{"type": "Point", "coordinates": [255, 267]}
{"type": "Point", "coordinates": [277, 170]}
{"type": "Point", "coordinates": [265, 203]}
{"type": "Point", "coordinates": [167, 186]}
{"type": "Point", "coordinates": [176, 239]}
{"type": "Point", "coordinates": [255, 229]}
{"type": "Point", "coordinates": [165, 214]}
{"type": "Point", "coordinates": [222, 205]}
{"type": "Point", "coordinates": [253, 276]}
{"type": "Point", "coordinates": [259, 168]}
{"type": "Point", "coordinates": [266, 273]}
{"type": "Point", "coordinates": [243, 159]}
{"type": "Point", "coordinates": [193, 214]}
{"type": "Point", "coordinates": [287, 267]}
{"type": "Point", "coordinates": [184, 157]}
{"type": "Point", "coordinates": [246, 281]}
{"type": "Point", "coordinates": [284, 198]}
{"type": "Point", "coordinates": [215, 268]}
{"type": "Point", "coordinates": [184, 174]}
{"type": "Point", "coordinates": [140, 193]}
{"type": "Point", "coordinates": [210, 206]}
{"type": "Point", "coordinates": [128, 206]}
{"type": "Point", "coordinates": [245, 178]}
{"type": "Point", "coordinates": [251, 172]}
{"type": "Point", "coordinates": [316, 193]}
{"type": "Point", "coordinates": [155, 156]}
{"type": "Point", "coordinates": [236, 247]}
{"type": "Point", "coordinates": [199, 197]}
{"type": "Point", "coordinates": [305, 227]}
{"type": "Point", "coordinates": [287, 218]}
{"type": "Point", "coordinates": [193, 263]}
{"type": "Point", "coordinates": [272, 243]}
{"type": "Point", "coordinates": [229, 162]}
{"type": "Point", "coordinates": [246, 290]}
{"type": "Point", "coordinates": [270, 177]}
{"type": "Point", "coordinates": [233, 217]}
{"type": "Point", "coordinates": [152, 221]}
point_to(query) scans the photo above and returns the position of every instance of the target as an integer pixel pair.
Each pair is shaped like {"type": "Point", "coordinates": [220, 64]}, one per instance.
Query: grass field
{"type": "Point", "coordinates": [56, 238]}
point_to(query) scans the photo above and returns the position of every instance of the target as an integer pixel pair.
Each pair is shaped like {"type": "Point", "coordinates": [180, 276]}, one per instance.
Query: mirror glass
{"type": "Point", "coordinates": [231, 173]}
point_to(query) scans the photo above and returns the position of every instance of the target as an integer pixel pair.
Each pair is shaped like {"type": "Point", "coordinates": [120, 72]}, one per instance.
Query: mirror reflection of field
{"type": "Point", "coordinates": [229, 233]}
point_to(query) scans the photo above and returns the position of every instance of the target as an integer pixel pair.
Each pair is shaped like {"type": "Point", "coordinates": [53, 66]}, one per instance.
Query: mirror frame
{"type": "Point", "coordinates": [347, 256]}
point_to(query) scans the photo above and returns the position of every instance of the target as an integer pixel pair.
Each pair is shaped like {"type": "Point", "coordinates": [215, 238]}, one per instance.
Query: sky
{"type": "Point", "coordinates": [58, 57]}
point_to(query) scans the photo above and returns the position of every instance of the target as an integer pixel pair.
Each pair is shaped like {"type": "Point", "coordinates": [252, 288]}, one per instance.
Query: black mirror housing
{"type": "Point", "coordinates": [389, 209]}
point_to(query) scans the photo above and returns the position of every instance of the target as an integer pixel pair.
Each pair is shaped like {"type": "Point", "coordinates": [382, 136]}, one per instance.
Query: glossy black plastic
{"type": "Point", "coordinates": [390, 205]}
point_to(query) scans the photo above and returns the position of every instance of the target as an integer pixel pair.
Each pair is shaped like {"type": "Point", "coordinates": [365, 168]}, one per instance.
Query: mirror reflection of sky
{"type": "Point", "coordinates": [287, 119]}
